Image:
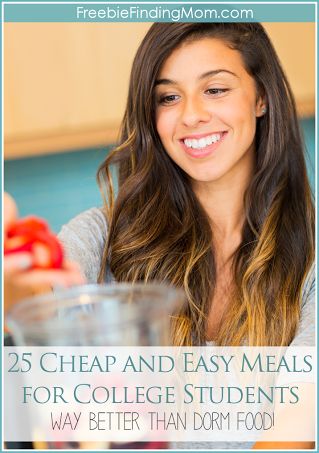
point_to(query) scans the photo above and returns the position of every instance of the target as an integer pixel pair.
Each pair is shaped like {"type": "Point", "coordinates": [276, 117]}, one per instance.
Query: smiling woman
{"type": "Point", "coordinates": [213, 192]}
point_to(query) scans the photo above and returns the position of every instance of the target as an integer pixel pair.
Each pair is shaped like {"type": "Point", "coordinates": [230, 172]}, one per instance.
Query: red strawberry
{"type": "Point", "coordinates": [27, 225]}
{"type": "Point", "coordinates": [33, 235]}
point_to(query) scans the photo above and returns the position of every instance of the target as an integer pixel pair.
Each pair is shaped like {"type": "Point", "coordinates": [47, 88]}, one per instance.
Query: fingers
{"type": "Point", "coordinates": [21, 281]}
{"type": "Point", "coordinates": [65, 277]}
{"type": "Point", "coordinates": [17, 263]}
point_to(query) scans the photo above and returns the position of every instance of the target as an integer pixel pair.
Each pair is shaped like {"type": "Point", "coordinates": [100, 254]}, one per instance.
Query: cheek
{"type": "Point", "coordinates": [242, 118]}
{"type": "Point", "coordinates": [164, 125]}
{"type": "Point", "coordinates": [160, 125]}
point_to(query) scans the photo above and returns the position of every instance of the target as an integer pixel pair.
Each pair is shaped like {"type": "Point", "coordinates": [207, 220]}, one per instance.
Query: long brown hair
{"type": "Point", "coordinates": [159, 231]}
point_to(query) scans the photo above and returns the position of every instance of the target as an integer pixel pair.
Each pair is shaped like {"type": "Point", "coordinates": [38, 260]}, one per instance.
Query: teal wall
{"type": "Point", "coordinates": [56, 186]}
{"type": "Point", "coordinates": [59, 186]}
{"type": "Point", "coordinates": [308, 127]}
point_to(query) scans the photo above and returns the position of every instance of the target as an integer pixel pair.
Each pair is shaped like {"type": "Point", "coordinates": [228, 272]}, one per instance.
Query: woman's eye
{"type": "Point", "coordinates": [216, 91]}
{"type": "Point", "coordinates": [168, 99]}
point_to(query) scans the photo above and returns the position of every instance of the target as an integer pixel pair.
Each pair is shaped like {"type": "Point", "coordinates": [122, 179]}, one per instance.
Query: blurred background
{"type": "Point", "coordinates": [65, 87]}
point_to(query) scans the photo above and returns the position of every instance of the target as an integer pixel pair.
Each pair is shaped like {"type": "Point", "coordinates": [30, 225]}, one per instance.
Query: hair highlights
{"type": "Point", "coordinates": [158, 229]}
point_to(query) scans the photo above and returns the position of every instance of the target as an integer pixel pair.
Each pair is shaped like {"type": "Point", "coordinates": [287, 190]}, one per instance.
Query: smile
{"type": "Point", "coordinates": [202, 142]}
{"type": "Point", "coordinates": [203, 145]}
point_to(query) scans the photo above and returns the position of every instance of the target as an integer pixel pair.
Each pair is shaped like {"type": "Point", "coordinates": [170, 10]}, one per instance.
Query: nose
{"type": "Point", "coordinates": [194, 112]}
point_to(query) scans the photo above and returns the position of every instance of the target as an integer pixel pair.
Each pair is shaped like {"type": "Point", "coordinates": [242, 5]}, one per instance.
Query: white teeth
{"type": "Point", "coordinates": [195, 144]}
{"type": "Point", "coordinates": [202, 142]}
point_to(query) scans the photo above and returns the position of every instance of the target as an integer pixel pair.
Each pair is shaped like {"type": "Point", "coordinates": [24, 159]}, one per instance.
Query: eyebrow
{"type": "Point", "coordinates": [201, 77]}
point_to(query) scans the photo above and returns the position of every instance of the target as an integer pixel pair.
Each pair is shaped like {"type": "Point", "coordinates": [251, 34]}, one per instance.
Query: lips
{"type": "Point", "coordinates": [202, 145]}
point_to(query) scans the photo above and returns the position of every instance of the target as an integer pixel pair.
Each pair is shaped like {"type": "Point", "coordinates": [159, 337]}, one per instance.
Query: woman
{"type": "Point", "coordinates": [213, 194]}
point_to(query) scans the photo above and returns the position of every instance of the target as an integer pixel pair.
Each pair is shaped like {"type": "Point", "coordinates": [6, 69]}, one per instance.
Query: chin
{"type": "Point", "coordinates": [206, 178]}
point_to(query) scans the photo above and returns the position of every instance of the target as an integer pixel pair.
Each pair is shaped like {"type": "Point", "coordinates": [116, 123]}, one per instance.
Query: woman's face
{"type": "Point", "coordinates": [206, 109]}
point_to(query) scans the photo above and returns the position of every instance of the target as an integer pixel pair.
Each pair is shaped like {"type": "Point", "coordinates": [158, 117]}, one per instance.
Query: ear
{"type": "Point", "coordinates": [261, 106]}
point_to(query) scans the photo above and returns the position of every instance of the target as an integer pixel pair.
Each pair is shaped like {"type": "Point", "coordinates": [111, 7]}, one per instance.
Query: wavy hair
{"type": "Point", "coordinates": [159, 231]}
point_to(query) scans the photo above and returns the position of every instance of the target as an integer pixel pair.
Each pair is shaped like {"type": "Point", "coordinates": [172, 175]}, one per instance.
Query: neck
{"type": "Point", "coordinates": [224, 207]}
{"type": "Point", "coordinates": [223, 201]}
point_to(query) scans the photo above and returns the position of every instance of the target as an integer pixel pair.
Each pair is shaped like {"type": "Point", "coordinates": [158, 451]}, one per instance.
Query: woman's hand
{"type": "Point", "coordinates": [20, 280]}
